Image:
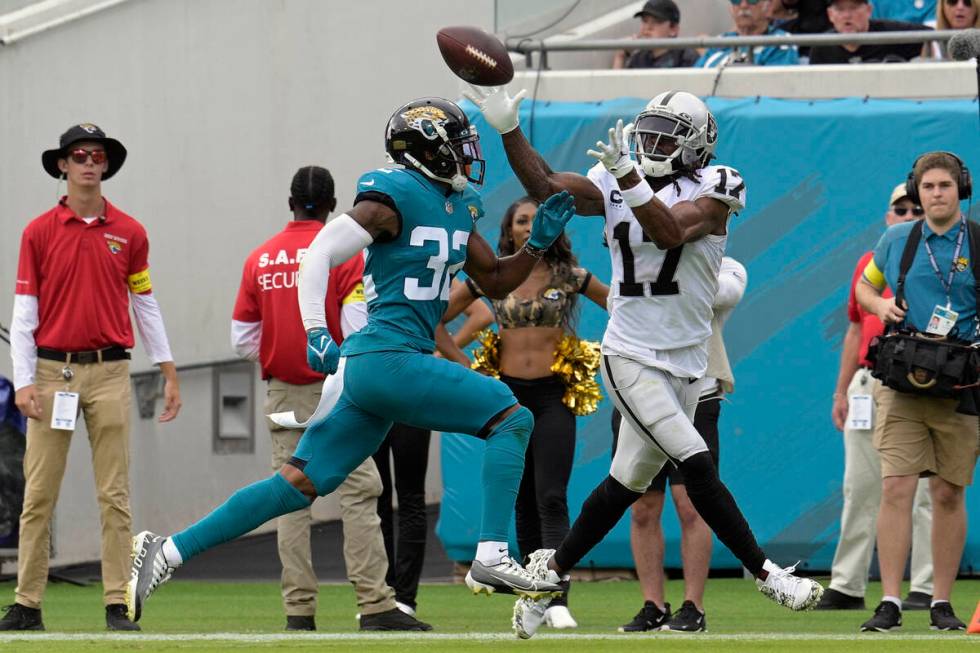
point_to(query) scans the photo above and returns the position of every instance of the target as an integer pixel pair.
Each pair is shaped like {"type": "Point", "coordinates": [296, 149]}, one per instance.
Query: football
{"type": "Point", "coordinates": [475, 56]}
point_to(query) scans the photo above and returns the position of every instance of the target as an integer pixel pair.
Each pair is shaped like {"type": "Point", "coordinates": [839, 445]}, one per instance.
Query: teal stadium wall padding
{"type": "Point", "coordinates": [818, 176]}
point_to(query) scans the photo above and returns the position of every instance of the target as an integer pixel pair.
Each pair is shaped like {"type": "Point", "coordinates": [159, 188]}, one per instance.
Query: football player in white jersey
{"type": "Point", "coordinates": [666, 212]}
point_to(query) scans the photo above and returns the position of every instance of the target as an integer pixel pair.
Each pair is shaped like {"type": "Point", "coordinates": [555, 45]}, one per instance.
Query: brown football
{"type": "Point", "coordinates": [475, 56]}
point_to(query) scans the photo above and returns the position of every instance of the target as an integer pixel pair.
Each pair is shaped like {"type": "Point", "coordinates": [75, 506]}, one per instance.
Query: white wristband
{"type": "Point", "coordinates": [637, 195]}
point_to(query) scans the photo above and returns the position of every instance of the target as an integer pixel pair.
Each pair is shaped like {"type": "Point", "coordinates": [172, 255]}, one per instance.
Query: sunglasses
{"type": "Point", "coordinates": [81, 155]}
{"type": "Point", "coordinates": [901, 211]}
{"type": "Point", "coordinates": [953, 3]}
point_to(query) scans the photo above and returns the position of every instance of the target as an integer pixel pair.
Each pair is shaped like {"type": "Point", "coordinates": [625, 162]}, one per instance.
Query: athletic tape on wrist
{"type": "Point", "coordinates": [637, 195]}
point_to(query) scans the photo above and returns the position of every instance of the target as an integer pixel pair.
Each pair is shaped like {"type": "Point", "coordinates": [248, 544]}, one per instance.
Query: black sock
{"type": "Point", "coordinates": [600, 512]}
{"type": "Point", "coordinates": [718, 509]}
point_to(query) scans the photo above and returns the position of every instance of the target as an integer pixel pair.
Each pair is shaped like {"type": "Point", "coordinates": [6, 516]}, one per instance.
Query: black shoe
{"type": "Point", "coordinates": [20, 617]}
{"type": "Point", "coordinates": [687, 620]}
{"type": "Point", "coordinates": [650, 617]}
{"type": "Point", "coordinates": [300, 622]}
{"type": "Point", "coordinates": [887, 618]}
{"type": "Point", "coordinates": [834, 600]}
{"type": "Point", "coordinates": [393, 619]}
{"type": "Point", "coordinates": [116, 619]}
{"type": "Point", "coordinates": [917, 601]}
{"type": "Point", "coordinates": [941, 617]}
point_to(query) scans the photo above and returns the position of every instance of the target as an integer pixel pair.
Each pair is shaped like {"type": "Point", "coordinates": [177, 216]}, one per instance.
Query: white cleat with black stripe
{"type": "Point", "coordinates": [149, 570]}
{"type": "Point", "coordinates": [509, 577]}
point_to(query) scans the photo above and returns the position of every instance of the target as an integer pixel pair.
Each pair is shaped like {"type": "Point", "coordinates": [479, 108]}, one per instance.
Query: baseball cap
{"type": "Point", "coordinates": [85, 131]}
{"type": "Point", "coordinates": [662, 10]}
{"type": "Point", "coordinates": [898, 194]}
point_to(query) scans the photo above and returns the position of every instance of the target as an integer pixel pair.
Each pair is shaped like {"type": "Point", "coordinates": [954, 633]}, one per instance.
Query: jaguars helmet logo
{"type": "Point", "coordinates": [962, 263]}
{"type": "Point", "coordinates": [425, 120]}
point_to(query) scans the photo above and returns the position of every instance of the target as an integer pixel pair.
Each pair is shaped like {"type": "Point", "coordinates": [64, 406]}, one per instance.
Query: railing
{"type": "Point", "coordinates": [528, 47]}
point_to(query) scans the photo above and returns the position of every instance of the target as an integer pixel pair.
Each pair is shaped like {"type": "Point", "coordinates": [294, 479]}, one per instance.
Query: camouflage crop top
{"type": "Point", "coordinates": [548, 308]}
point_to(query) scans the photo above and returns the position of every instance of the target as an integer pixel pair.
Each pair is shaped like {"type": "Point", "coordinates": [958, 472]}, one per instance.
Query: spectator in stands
{"type": "Point", "coordinates": [266, 327]}
{"type": "Point", "coordinates": [751, 18]}
{"type": "Point", "coordinates": [908, 11]}
{"type": "Point", "coordinates": [854, 17]}
{"type": "Point", "coordinates": [82, 263]}
{"type": "Point", "coordinates": [954, 14]}
{"type": "Point", "coordinates": [659, 19]}
{"type": "Point", "coordinates": [862, 465]}
{"type": "Point", "coordinates": [800, 16]}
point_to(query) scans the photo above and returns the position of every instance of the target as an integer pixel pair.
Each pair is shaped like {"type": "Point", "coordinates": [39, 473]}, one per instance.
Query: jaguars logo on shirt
{"type": "Point", "coordinates": [962, 263]}
{"type": "Point", "coordinates": [114, 247]}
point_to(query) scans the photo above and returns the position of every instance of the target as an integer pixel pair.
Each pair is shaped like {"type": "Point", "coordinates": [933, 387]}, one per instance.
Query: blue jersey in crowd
{"type": "Point", "coordinates": [911, 11]}
{"type": "Point", "coordinates": [407, 278]}
{"type": "Point", "coordinates": [771, 55]}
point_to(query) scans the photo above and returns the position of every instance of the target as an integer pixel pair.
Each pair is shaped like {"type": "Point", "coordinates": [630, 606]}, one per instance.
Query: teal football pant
{"type": "Point", "coordinates": [381, 388]}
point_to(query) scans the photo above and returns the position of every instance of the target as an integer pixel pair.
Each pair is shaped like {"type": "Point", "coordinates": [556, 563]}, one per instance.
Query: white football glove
{"type": "Point", "coordinates": [499, 109]}
{"type": "Point", "coordinates": [616, 155]}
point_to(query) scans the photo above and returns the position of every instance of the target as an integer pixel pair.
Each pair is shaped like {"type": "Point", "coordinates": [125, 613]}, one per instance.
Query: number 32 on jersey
{"type": "Point", "coordinates": [442, 271]}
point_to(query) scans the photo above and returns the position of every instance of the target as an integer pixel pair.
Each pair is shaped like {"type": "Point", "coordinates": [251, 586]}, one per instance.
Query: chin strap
{"type": "Point", "coordinates": [457, 181]}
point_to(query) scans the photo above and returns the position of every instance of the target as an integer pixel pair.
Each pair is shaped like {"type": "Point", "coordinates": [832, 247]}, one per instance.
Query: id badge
{"type": "Point", "coordinates": [942, 321]}
{"type": "Point", "coordinates": [859, 415]}
{"type": "Point", "coordinates": [65, 411]}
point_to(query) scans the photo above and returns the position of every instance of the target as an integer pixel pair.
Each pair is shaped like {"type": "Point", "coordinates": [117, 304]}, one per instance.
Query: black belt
{"type": "Point", "coordinates": [84, 357]}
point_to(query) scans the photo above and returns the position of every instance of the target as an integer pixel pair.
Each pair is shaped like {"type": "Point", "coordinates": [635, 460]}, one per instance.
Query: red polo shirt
{"type": "Point", "coordinates": [82, 275]}
{"type": "Point", "coordinates": [871, 326]}
{"type": "Point", "coordinates": [268, 294]}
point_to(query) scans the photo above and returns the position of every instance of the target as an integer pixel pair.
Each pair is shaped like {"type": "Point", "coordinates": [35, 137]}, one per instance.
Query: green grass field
{"type": "Point", "coordinates": [199, 616]}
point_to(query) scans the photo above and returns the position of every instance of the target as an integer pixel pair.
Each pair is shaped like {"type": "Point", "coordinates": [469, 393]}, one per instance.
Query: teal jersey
{"type": "Point", "coordinates": [407, 278]}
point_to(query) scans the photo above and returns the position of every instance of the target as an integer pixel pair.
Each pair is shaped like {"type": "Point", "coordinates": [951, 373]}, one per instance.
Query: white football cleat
{"type": "Point", "coordinates": [529, 615]}
{"type": "Point", "coordinates": [558, 616]}
{"type": "Point", "coordinates": [789, 590]}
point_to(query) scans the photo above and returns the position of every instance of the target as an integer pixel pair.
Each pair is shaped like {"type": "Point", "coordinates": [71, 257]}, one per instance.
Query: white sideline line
{"type": "Point", "coordinates": [282, 637]}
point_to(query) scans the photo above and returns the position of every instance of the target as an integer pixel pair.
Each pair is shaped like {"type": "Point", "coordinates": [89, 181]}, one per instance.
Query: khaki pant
{"type": "Point", "coordinates": [364, 550]}
{"type": "Point", "coordinates": [104, 402]}
{"type": "Point", "coordinates": [862, 498]}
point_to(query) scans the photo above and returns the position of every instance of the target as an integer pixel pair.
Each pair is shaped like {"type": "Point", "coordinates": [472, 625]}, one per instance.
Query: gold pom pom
{"type": "Point", "coordinates": [486, 359]}
{"type": "Point", "coordinates": [576, 364]}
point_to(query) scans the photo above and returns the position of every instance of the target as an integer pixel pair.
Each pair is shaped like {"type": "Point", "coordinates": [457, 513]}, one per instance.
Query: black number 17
{"type": "Point", "coordinates": [664, 285]}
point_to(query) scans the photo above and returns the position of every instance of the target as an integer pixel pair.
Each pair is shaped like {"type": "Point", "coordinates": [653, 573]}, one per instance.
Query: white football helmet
{"type": "Point", "coordinates": [674, 133]}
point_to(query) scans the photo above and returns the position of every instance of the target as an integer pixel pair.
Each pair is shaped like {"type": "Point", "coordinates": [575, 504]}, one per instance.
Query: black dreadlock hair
{"type": "Point", "coordinates": [312, 189]}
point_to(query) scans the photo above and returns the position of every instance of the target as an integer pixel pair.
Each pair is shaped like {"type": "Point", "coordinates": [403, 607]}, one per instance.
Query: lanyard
{"type": "Point", "coordinates": [948, 283]}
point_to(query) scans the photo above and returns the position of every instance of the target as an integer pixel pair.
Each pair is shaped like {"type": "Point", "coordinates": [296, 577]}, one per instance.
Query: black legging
{"type": "Point", "coordinates": [542, 504]}
{"type": "Point", "coordinates": [409, 446]}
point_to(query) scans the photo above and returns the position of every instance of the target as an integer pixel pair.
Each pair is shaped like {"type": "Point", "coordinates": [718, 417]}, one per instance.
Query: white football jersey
{"type": "Point", "coordinates": [660, 301]}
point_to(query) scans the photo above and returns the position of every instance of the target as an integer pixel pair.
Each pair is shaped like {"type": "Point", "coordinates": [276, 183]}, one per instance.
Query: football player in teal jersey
{"type": "Point", "coordinates": [416, 221]}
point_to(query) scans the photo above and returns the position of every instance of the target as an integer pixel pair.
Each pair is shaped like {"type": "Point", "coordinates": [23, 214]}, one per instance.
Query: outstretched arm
{"type": "Point", "coordinates": [539, 180]}
{"type": "Point", "coordinates": [499, 276]}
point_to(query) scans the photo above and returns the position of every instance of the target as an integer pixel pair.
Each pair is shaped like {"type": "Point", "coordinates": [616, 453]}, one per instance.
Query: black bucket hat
{"type": "Point", "coordinates": [85, 132]}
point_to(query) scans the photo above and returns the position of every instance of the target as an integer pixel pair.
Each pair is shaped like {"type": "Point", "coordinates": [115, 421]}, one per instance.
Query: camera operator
{"type": "Point", "coordinates": [919, 433]}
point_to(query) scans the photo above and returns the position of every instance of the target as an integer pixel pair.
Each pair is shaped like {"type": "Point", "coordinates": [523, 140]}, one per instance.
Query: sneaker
{"type": "Point", "coordinates": [887, 618]}
{"type": "Point", "coordinates": [148, 572]}
{"type": "Point", "coordinates": [941, 617]}
{"type": "Point", "coordinates": [650, 617]}
{"type": "Point", "coordinates": [687, 620]}
{"type": "Point", "coordinates": [300, 622]}
{"type": "Point", "coordinates": [917, 601]}
{"type": "Point", "coordinates": [558, 616]}
{"type": "Point", "coordinates": [529, 615]}
{"type": "Point", "coordinates": [21, 617]}
{"type": "Point", "coordinates": [834, 600]}
{"type": "Point", "coordinates": [509, 577]}
{"type": "Point", "coordinates": [116, 619]}
{"type": "Point", "coordinates": [406, 608]}
{"type": "Point", "coordinates": [786, 589]}
{"type": "Point", "coordinates": [393, 619]}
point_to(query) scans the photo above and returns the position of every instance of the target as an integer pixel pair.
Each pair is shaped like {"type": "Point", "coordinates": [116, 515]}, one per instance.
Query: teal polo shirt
{"type": "Point", "coordinates": [923, 291]}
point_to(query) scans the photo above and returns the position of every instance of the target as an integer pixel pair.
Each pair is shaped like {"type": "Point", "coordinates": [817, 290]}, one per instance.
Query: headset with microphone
{"type": "Point", "coordinates": [964, 183]}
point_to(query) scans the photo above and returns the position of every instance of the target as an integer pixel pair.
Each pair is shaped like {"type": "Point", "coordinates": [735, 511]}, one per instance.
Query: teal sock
{"type": "Point", "coordinates": [503, 467]}
{"type": "Point", "coordinates": [245, 510]}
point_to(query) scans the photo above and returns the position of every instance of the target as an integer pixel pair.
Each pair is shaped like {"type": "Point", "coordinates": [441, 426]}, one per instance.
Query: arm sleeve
{"type": "Point", "coordinates": [246, 338]}
{"type": "Point", "coordinates": [353, 317]}
{"type": "Point", "coordinates": [149, 322]}
{"type": "Point", "coordinates": [27, 266]}
{"type": "Point", "coordinates": [23, 350]}
{"type": "Point", "coordinates": [339, 240]}
{"type": "Point", "coordinates": [732, 280]}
